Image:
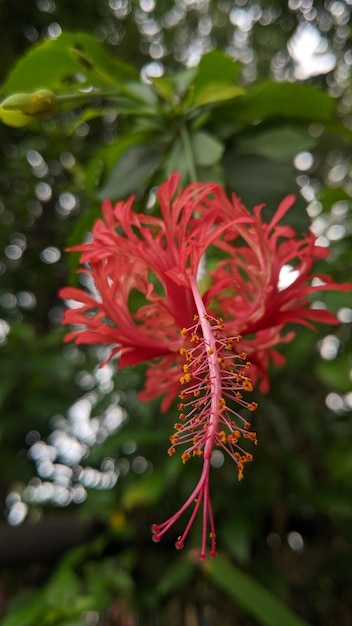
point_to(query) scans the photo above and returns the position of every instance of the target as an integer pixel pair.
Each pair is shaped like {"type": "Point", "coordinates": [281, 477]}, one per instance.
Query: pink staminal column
{"type": "Point", "coordinates": [209, 375]}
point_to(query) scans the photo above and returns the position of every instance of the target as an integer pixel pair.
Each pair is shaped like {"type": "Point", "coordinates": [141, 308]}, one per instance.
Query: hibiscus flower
{"type": "Point", "coordinates": [206, 275]}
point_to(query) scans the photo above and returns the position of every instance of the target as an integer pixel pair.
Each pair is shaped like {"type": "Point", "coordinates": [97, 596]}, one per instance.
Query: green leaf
{"type": "Point", "coordinates": [216, 93]}
{"type": "Point", "coordinates": [177, 161]}
{"type": "Point", "coordinates": [207, 152]}
{"type": "Point", "coordinates": [28, 614]}
{"type": "Point", "coordinates": [216, 67]}
{"type": "Point", "coordinates": [72, 61]}
{"type": "Point", "coordinates": [206, 149]}
{"type": "Point", "coordinates": [335, 374]}
{"type": "Point", "coordinates": [165, 89]}
{"type": "Point", "coordinates": [249, 594]}
{"type": "Point", "coordinates": [140, 92]}
{"type": "Point", "coordinates": [257, 180]}
{"type": "Point", "coordinates": [289, 100]}
{"type": "Point", "coordinates": [63, 588]}
{"type": "Point", "coordinates": [214, 82]}
{"type": "Point", "coordinates": [329, 195]}
{"type": "Point", "coordinates": [282, 142]}
{"type": "Point", "coordinates": [132, 169]}
{"type": "Point", "coordinates": [183, 80]}
{"type": "Point", "coordinates": [174, 577]}
{"type": "Point", "coordinates": [100, 167]}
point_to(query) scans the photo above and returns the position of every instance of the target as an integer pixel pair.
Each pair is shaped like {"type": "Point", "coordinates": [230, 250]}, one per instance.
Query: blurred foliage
{"type": "Point", "coordinates": [140, 88]}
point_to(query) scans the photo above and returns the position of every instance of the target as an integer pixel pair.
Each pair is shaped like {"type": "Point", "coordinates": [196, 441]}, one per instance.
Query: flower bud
{"type": "Point", "coordinates": [22, 108]}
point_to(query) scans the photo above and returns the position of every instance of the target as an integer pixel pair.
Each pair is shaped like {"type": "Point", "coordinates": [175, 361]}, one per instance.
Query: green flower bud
{"type": "Point", "coordinates": [21, 109]}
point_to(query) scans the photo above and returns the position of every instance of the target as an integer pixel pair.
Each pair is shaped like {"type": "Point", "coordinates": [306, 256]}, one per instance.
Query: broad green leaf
{"type": "Point", "coordinates": [335, 373]}
{"type": "Point", "coordinates": [100, 183]}
{"type": "Point", "coordinates": [206, 149]}
{"type": "Point", "coordinates": [206, 153]}
{"type": "Point", "coordinates": [282, 142]}
{"type": "Point", "coordinates": [179, 573]}
{"type": "Point", "coordinates": [289, 100]}
{"type": "Point", "coordinates": [257, 180]}
{"type": "Point", "coordinates": [216, 93]}
{"type": "Point", "coordinates": [72, 61]}
{"type": "Point", "coordinates": [216, 67]}
{"type": "Point", "coordinates": [99, 168]}
{"type": "Point", "coordinates": [63, 588]}
{"type": "Point", "coordinates": [211, 174]}
{"type": "Point", "coordinates": [28, 614]}
{"type": "Point", "coordinates": [177, 161]}
{"type": "Point", "coordinates": [112, 578]}
{"type": "Point", "coordinates": [183, 80]}
{"type": "Point", "coordinates": [237, 536]}
{"type": "Point", "coordinates": [133, 168]}
{"type": "Point", "coordinates": [140, 92]}
{"type": "Point", "coordinates": [249, 594]}
{"type": "Point", "coordinates": [328, 196]}
{"type": "Point", "coordinates": [214, 82]}
{"type": "Point", "coordinates": [165, 89]}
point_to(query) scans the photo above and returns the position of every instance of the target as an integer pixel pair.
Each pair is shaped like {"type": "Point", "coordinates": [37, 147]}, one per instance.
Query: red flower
{"type": "Point", "coordinates": [196, 344]}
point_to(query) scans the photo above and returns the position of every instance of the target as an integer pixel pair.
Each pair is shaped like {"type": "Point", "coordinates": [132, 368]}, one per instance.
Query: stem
{"type": "Point", "coordinates": [188, 152]}
{"type": "Point", "coordinates": [67, 97]}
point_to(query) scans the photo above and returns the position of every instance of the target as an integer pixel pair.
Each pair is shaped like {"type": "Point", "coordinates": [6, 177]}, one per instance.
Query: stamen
{"type": "Point", "coordinates": [214, 377]}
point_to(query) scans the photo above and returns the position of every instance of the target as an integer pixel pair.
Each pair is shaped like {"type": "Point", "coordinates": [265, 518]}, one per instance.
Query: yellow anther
{"type": "Point", "coordinates": [252, 406]}
{"type": "Point", "coordinates": [184, 331]}
{"type": "Point", "coordinates": [197, 452]}
{"type": "Point", "coordinates": [210, 351]}
{"type": "Point", "coordinates": [251, 436]}
{"type": "Point", "coordinates": [234, 437]}
{"type": "Point", "coordinates": [247, 385]}
{"type": "Point", "coordinates": [222, 405]}
{"type": "Point", "coordinates": [222, 436]}
{"type": "Point", "coordinates": [185, 457]}
{"type": "Point", "coordinates": [171, 450]}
